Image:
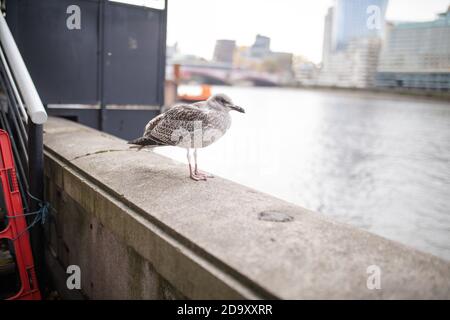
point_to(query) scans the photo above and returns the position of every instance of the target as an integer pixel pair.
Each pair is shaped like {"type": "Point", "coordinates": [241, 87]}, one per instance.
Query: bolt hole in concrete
{"type": "Point", "coordinates": [275, 216]}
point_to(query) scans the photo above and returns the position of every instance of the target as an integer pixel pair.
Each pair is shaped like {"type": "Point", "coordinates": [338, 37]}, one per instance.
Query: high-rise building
{"type": "Point", "coordinates": [416, 55]}
{"type": "Point", "coordinates": [224, 51]}
{"type": "Point", "coordinates": [261, 47]}
{"type": "Point", "coordinates": [327, 38]}
{"type": "Point", "coordinates": [171, 51]}
{"type": "Point", "coordinates": [353, 19]}
{"type": "Point", "coordinates": [352, 41]}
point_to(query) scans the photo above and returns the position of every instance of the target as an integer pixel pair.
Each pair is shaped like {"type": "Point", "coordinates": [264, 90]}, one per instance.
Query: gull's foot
{"type": "Point", "coordinates": [203, 174]}
{"type": "Point", "coordinates": [196, 177]}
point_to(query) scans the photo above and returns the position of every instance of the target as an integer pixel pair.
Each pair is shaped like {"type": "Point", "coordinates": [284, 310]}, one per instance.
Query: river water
{"type": "Point", "coordinates": [375, 161]}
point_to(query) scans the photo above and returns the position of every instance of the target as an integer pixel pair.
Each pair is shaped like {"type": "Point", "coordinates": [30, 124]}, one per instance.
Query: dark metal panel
{"type": "Point", "coordinates": [116, 58]}
{"type": "Point", "coordinates": [127, 124]}
{"type": "Point", "coordinates": [88, 117]}
{"type": "Point", "coordinates": [62, 62]}
{"type": "Point", "coordinates": [132, 54]}
{"type": "Point", "coordinates": [123, 123]}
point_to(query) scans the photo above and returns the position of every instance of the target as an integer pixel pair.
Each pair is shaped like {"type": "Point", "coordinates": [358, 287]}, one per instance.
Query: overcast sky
{"type": "Point", "coordinates": [294, 25]}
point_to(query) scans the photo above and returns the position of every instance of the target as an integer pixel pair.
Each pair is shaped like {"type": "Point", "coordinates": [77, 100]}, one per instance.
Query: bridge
{"type": "Point", "coordinates": [223, 74]}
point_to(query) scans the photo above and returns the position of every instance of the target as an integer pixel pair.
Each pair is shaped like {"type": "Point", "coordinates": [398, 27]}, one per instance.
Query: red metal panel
{"type": "Point", "coordinates": [16, 229]}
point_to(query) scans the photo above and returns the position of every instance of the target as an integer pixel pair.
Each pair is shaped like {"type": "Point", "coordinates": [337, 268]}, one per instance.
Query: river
{"type": "Point", "coordinates": [376, 161]}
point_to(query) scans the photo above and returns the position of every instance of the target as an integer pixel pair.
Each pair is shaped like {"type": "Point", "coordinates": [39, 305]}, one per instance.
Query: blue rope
{"type": "Point", "coordinates": [41, 215]}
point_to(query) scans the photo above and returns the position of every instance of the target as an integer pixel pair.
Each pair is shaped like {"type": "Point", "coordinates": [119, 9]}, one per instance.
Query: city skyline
{"type": "Point", "coordinates": [225, 21]}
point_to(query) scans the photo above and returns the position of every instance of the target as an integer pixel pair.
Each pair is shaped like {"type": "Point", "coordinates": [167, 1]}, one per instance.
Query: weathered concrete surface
{"type": "Point", "coordinates": [216, 239]}
{"type": "Point", "coordinates": [110, 269]}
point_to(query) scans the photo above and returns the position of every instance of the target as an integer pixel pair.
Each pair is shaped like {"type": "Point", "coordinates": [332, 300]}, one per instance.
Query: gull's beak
{"type": "Point", "coordinates": [237, 108]}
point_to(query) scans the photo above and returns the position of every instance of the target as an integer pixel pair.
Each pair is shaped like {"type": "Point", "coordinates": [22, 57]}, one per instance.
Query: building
{"type": "Point", "coordinates": [305, 71]}
{"type": "Point", "coordinates": [282, 61]}
{"type": "Point", "coordinates": [354, 67]}
{"type": "Point", "coordinates": [171, 51]}
{"type": "Point", "coordinates": [352, 42]}
{"type": "Point", "coordinates": [327, 37]}
{"type": "Point", "coordinates": [224, 51]}
{"type": "Point", "coordinates": [263, 63]}
{"type": "Point", "coordinates": [261, 47]}
{"type": "Point", "coordinates": [355, 19]}
{"type": "Point", "coordinates": [416, 55]}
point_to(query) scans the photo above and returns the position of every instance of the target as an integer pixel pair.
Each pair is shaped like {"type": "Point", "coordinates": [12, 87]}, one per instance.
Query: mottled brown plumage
{"type": "Point", "coordinates": [190, 125]}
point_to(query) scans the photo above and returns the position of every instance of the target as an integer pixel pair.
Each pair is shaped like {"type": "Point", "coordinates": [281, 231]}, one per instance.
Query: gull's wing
{"type": "Point", "coordinates": [152, 123]}
{"type": "Point", "coordinates": [188, 125]}
{"type": "Point", "coordinates": [183, 117]}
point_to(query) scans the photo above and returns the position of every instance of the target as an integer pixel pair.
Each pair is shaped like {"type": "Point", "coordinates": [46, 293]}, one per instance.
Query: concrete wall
{"type": "Point", "coordinates": [140, 228]}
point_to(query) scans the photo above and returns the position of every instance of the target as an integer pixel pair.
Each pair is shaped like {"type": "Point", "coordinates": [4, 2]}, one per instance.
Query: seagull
{"type": "Point", "coordinates": [190, 126]}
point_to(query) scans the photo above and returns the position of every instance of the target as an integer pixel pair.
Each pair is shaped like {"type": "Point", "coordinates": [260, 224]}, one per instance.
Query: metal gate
{"type": "Point", "coordinates": [97, 62]}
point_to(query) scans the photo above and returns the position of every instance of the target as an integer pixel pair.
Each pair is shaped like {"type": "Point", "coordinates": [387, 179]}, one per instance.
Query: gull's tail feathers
{"type": "Point", "coordinates": [142, 142]}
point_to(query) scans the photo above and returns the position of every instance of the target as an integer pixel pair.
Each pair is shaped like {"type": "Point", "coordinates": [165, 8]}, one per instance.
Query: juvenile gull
{"type": "Point", "coordinates": [190, 126]}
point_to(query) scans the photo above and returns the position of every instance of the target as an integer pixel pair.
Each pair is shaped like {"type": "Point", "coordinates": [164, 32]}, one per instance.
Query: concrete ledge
{"type": "Point", "coordinates": [213, 239]}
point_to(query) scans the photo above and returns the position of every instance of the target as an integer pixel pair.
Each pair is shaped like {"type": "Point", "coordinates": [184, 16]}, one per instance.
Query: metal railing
{"type": "Point", "coordinates": [22, 115]}
{"type": "Point", "coordinates": [28, 90]}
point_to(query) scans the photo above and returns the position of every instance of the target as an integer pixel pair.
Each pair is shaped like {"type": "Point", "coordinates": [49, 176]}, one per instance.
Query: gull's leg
{"type": "Point", "coordinates": [191, 173]}
{"type": "Point", "coordinates": [197, 172]}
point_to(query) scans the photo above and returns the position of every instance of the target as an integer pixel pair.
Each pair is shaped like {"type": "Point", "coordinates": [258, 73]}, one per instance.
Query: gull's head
{"type": "Point", "coordinates": [224, 103]}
